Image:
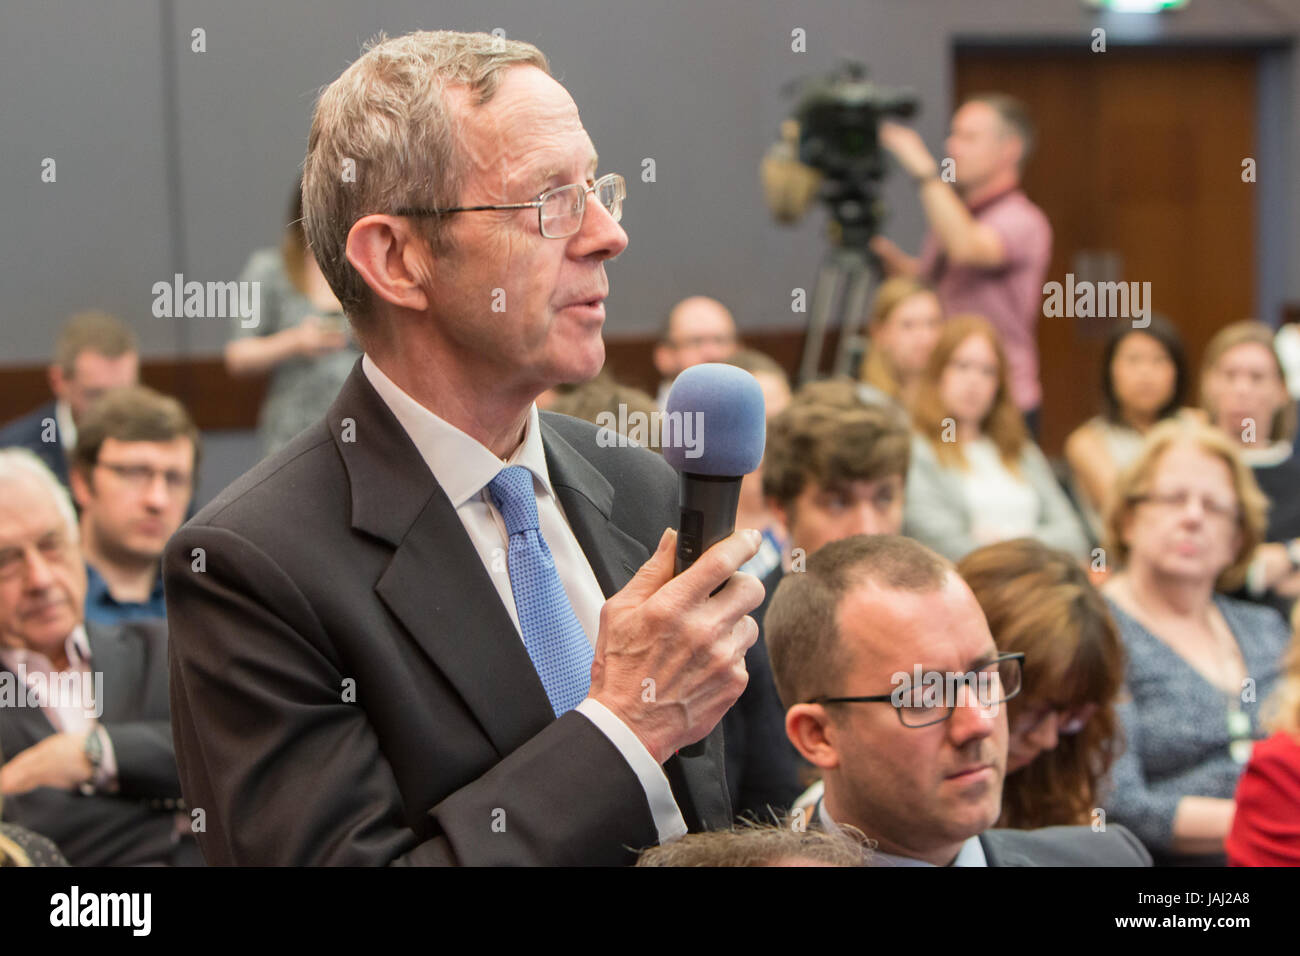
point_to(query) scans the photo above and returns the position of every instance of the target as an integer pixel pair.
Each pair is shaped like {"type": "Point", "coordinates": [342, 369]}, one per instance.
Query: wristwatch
{"type": "Point", "coordinates": [94, 750]}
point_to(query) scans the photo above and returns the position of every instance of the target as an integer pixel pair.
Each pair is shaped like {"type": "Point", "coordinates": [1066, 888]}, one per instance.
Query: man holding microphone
{"type": "Point", "coordinates": [418, 634]}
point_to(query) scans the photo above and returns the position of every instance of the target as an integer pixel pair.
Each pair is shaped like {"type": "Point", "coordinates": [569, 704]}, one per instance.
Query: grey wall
{"type": "Point", "coordinates": [183, 162]}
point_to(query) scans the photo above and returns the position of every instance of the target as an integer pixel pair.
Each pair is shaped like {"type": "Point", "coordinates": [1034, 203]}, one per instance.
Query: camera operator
{"type": "Point", "coordinates": [988, 248]}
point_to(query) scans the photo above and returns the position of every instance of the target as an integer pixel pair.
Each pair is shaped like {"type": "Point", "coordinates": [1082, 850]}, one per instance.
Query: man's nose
{"type": "Point", "coordinates": [39, 573]}
{"type": "Point", "coordinates": [157, 494]}
{"type": "Point", "coordinates": [600, 235]}
{"type": "Point", "coordinates": [867, 520]}
{"type": "Point", "coordinates": [969, 720]}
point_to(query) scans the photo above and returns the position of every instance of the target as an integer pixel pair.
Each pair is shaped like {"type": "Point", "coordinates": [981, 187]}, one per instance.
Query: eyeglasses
{"type": "Point", "coordinates": [1178, 500]}
{"type": "Point", "coordinates": [140, 477]}
{"type": "Point", "coordinates": [994, 683]}
{"type": "Point", "coordinates": [1069, 721]}
{"type": "Point", "coordinates": [559, 210]}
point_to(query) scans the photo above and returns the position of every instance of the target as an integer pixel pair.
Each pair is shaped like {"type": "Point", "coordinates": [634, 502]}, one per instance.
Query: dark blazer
{"type": "Point", "coordinates": [347, 687]}
{"type": "Point", "coordinates": [26, 433]}
{"type": "Point", "coordinates": [136, 824]}
{"type": "Point", "coordinates": [1052, 846]}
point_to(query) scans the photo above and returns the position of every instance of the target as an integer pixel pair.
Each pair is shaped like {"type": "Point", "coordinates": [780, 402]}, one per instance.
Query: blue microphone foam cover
{"type": "Point", "coordinates": [727, 425]}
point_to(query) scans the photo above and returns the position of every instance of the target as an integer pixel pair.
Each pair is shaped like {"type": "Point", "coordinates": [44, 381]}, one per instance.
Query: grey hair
{"type": "Point", "coordinates": [19, 463]}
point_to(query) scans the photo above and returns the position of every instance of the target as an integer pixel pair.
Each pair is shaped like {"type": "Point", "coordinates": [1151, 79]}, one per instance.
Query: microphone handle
{"type": "Point", "coordinates": [708, 514]}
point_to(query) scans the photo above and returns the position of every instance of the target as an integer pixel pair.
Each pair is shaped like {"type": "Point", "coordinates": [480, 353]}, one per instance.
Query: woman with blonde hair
{"type": "Point", "coordinates": [1183, 522]}
{"type": "Point", "coordinates": [976, 477]}
{"type": "Point", "coordinates": [1243, 391]}
{"type": "Point", "coordinates": [1266, 826]}
{"type": "Point", "coordinates": [904, 325]}
{"type": "Point", "coordinates": [1063, 729]}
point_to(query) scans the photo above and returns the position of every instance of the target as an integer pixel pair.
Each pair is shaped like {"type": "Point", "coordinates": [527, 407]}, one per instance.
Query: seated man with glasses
{"type": "Point", "coordinates": [698, 330]}
{"type": "Point", "coordinates": [895, 691]}
{"type": "Point", "coordinates": [132, 476]}
{"type": "Point", "coordinates": [84, 730]}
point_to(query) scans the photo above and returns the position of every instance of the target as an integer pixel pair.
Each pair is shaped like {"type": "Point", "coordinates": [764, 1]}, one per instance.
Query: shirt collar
{"type": "Point", "coordinates": [97, 592]}
{"type": "Point", "coordinates": [67, 427]}
{"type": "Point", "coordinates": [461, 465]}
{"type": "Point", "coordinates": [76, 647]}
{"type": "Point", "coordinates": [970, 854]}
{"type": "Point", "coordinates": [1256, 456]}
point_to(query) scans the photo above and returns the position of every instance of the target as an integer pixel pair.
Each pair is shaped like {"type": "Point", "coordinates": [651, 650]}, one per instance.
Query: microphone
{"type": "Point", "coordinates": [714, 430]}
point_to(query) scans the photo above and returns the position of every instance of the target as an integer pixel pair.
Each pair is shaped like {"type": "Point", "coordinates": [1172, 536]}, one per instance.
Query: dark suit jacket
{"type": "Point", "coordinates": [26, 433]}
{"type": "Point", "coordinates": [347, 686]}
{"type": "Point", "coordinates": [762, 765]}
{"type": "Point", "coordinates": [1053, 846]}
{"type": "Point", "coordinates": [136, 824]}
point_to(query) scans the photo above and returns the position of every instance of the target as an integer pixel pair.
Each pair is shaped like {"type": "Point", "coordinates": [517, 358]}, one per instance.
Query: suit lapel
{"type": "Point", "coordinates": [110, 657]}
{"type": "Point", "coordinates": [435, 584]}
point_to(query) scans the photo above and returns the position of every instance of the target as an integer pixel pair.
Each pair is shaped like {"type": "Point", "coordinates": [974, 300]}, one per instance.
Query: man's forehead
{"type": "Point", "coordinates": [898, 629]}
{"type": "Point", "coordinates": [29, 509]}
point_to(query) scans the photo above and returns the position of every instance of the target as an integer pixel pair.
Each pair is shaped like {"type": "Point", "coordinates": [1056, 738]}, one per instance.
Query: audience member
{"type": "Point", "coordinates": [132, 477]}
{"type": "Point", "coordinates": [904, 326]}
{"type": "Point", "coordinates": [1143, 382]}
{"type": "Point", "coordinates": [1184, 521]}
{"type": "Point", "coordinates": [752, 510]}
{"type": "Point", "coordinates": [90, 761]}
{"type": "Point", "coordinates": [1063, 729]}
{"type": "Point", "coordinates": [603, 399]}
{"type": "Point", "coordinates": [300, 336]}
{"type": "Point", "coordinates": [977, 477]}
{"type": "Point", "coordinates": [1266, 826]}
{"type": "Point", "coordinates": [768, 845]}
{"type": "Point", "coordinates": [989, 247]}
{"type": "Point", "coordinates": [95, 353]}
{"type": "Point", "coordinates": [698, 330]}
{"type": "Point", "coordinates": [917, 770]}
{"type": "Point", "coordinates": [833, 470]}
{"type": "Point", "coordinates": [1243, 391]}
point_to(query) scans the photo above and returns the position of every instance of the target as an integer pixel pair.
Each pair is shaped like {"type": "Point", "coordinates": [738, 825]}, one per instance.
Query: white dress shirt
{"type": "Point", "coordinates": [970, 854]}
{"type": "Point", "coordinates": [464, 467]}
{"type": "Point", "coordinates": [67, 427]}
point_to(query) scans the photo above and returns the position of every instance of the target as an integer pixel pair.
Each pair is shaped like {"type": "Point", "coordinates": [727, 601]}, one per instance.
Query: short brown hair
{"type": "Point", "coordinates": [134, 413]}
{"type": "Point", "coordinates": [1135, 480]}
{"type": "Point", "coordinates": [1040, 602]}
{"type": "Point", "coordinates": [761, 845]}
{"type": "Point", "coordinates": [92, 331]}
{"type": "Point", "coordinates": [755, 362]}
{"type": "Point", "coordinates": [387, 116]}
{"type": "Point", "coordinates": [592, 400]}
{"type": "Point", "coordinates": [801, 626]}
{"type": "Point", "coordinates": [1248, 333]}
{"type": "Point", "coordinates": [1014, 115]}
{"type": "Point", "coordinates": [832, 442]}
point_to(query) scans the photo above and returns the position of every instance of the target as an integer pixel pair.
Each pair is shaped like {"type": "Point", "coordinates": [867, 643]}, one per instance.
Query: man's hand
{"type": "Point", "coordinates": [909, 149]}
{"type": "Point", "coordinates": [690, 645]}
{"type": "Point", "coordinates": [893, 259]}
{"type": "Point", "coordinates": [58, 761]}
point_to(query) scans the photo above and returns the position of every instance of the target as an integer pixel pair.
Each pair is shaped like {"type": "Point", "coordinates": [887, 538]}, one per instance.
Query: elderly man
{"type": "Point", "coordinates": [418, 633]}
{"type": "Point", "coordinates": [83, 709]}
{"type": "Point", "coordinates": [698, 330]}
{"type": "Point", "coordinates": [989, 246]}
{"type": "Point", "coordinates": [133, 477]}
{"type": "Point", "coordinates": [94, 354]}
{"type": "Point", "coordinates": [893, 687]}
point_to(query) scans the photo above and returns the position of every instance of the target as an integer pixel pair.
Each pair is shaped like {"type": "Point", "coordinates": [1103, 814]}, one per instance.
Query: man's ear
{"type": "Point", "coordinates": [665, 363]}
{"type": "Point", "coordinates": [58, 384]}
{"type": "Point", "coordinates": [80, 486]}
{"type": "Point", "coordinates": [392, 259]}
{"type": "Point", "coordinates": [809, 728]}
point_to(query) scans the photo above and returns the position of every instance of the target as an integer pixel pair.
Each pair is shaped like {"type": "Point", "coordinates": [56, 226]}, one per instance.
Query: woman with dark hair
{"type": "Point", "coordinates": [299, 336]}
{"type": "Point", "coordinates": [1143, 382]}
{"type": "Point", "coordinates": [1063, 729]}
{"type": "Point", "coordinates": [976, 477]}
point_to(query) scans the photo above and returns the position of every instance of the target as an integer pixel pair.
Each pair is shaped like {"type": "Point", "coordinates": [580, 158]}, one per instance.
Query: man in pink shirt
{"type": "Point", "coordinates": [988, 248]}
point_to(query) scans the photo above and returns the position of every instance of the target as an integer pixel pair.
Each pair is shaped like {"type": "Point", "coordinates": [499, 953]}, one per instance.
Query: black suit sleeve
{"type": "Point", "coordinates": [146, 760]}
{"type": "Point", "coordinates": [287, 772]}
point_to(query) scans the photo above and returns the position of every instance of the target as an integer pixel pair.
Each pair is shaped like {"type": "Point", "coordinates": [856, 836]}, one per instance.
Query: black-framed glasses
{"type": "Point", "coordinates": [933, 701]}
{"type": "Point", "coordinates": [559, 210]}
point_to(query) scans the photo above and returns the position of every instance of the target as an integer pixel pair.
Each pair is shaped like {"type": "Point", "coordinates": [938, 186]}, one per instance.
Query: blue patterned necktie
{"type": "Point", "coordinates": [552, 633]}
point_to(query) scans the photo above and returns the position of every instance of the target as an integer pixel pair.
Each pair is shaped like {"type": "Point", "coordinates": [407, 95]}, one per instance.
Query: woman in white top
{"type": "Point", "coordinates": [976, 478]}
{"type": "Point", "coordinates": [1143, 382]}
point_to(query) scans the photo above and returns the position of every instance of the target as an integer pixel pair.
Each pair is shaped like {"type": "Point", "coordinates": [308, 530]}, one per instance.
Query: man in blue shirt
{"type": "Point", "coordinates": [133, 477]}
